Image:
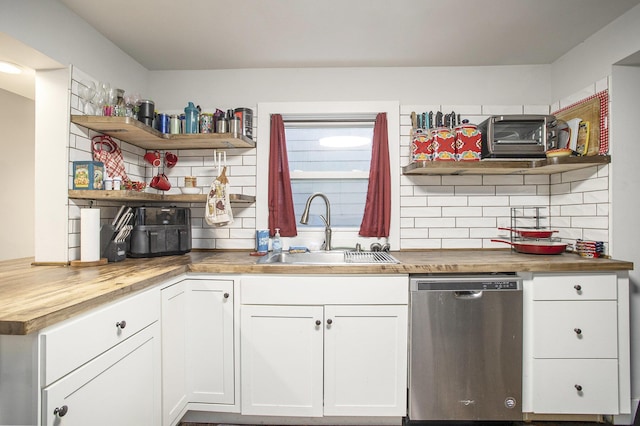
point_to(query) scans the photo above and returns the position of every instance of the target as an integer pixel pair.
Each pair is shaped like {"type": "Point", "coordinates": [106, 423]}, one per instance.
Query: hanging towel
{"type": "Point", "coordinates": [218, 209]}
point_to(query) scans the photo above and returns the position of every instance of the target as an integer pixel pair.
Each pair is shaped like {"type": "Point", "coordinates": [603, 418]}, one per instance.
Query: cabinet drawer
{"type": "Point", "coordinates": [575, 287]}
{"type": "Point", "coordinates": [568, 329]}
{"type": "Point", "coordinates": [67, 346]}
{"type": "Point", "coordinates": [556, 382]}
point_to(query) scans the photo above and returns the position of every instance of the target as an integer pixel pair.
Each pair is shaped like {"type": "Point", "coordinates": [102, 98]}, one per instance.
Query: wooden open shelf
{"type": "Point", "coordinates": [537, 166]}
{"type": "Point", "coordinates": [135, 132]}
{"type": "Point", "coordinates": [148, 197]}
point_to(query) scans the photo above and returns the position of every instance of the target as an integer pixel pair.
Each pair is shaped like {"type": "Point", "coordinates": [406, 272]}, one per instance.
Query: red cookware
{"type": "Point", "coordinates": [536, 247]}
{"type": "Point", "coordinates": [528, 233]}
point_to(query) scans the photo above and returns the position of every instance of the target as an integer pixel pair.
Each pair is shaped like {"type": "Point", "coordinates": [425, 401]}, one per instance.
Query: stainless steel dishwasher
{"type": "Point", "coordinates": [465, 357]}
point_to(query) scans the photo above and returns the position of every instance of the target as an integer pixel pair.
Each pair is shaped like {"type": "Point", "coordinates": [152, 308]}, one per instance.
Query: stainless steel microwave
{"type": "Point", "coordinates": [518, 136]}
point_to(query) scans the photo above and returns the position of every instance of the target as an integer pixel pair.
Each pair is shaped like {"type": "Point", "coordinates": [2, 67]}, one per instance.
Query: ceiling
{"type": "Point", "coordinates": [216, 34]}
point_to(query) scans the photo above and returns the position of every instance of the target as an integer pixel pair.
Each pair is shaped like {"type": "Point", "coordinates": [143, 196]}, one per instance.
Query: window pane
{"type": "Point", "coordinates": [307, 152]}
{"type": "Point", "coordinates": [347, 198]}
{"type": "Point", "coordinates": [330, 146]}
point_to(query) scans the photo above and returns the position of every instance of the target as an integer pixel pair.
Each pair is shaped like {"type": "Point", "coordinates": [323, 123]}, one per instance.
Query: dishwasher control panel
{"type": "Point", "coordinates": [465, 282]}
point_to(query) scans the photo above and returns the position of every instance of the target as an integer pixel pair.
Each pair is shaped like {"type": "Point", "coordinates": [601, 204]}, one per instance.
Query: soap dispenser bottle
{"type": "Point", "coordinates": [276, 244]}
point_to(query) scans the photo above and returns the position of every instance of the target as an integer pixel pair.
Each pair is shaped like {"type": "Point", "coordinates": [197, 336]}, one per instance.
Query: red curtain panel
{"type": "Point", "coordinates": [281, 213]}
{"type": "Point", "coordinates": [377, 211]}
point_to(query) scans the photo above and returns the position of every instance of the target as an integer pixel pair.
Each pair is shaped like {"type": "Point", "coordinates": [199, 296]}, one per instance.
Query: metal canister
{"type": "Point", "coordinates": [206, 122]}
{"type": "Point", "coordinates": [174, 124]}
{"type": "Point", "coordinates": [222, 125]}
{"type": "Point", "coordinates": [162, 122]}
{"type": "Point", "coordinates": [246, 121]}
{"type": "Point", "coordinates": [235, 127]}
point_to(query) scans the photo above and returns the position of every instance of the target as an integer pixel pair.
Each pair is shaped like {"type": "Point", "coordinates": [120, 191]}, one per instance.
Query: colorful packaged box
{"type": "Point", "coordinates": [468, 142]}
{"type": "Point", "coordinates": [88, 174]}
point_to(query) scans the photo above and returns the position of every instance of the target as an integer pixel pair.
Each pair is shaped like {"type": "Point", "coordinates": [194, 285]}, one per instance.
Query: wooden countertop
{"type": "Point", "coordinates": [35, 297]}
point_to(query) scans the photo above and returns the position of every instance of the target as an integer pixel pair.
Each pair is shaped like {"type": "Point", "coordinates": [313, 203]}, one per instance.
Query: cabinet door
{"type": "Point", "coordinates": [281, 360]}
{"type": "Point", "coordinates": [174, 382]}
{"type": "Point", "coordinates": [365, 357]}
{"type": "Point", "coordinates": [210, 365]}
{"type": "Point", "coordinates": [120, 387]}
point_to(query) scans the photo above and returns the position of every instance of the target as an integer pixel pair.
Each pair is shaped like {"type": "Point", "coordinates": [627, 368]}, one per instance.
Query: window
{"type": "Point", "coordinates": [344, 112]}
{"type": "Point", "coordinates": [332, 156]}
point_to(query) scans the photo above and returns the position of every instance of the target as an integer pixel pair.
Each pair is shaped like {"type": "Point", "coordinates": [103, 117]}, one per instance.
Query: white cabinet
{"type": "Point", "coordinates": [312, 346]}
{"type": "Point", "coordinates": [210, 341]}
{"type": "Point", "coordinates": [365, 356]}
{"type": "Point", "coordinates": [174, 366]}
{"type": "Point", "coordinates": [121, 387]}
{"type": "Point", "coordinates": [103, 368]}
{"type": "Point", "coordinates": [576, 344]}
{"type": "Point", "coordinates": [282, 360]}
{"type": "Point", "coordinates": [198, 340]}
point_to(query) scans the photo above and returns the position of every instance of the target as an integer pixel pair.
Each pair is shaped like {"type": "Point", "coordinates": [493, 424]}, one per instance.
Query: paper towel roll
{"type": "Point", "coordinates": [89, 235]}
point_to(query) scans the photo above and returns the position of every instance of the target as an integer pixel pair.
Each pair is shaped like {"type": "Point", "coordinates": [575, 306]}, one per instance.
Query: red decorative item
{"type": "Point", "coordinates": [444, 144]}
{"type": "Point", "coordinates": [421, 146]}
{"type": "Point", "coordinates": [108, 152]}
{"type": "Point", "coordinates": [468, 142]}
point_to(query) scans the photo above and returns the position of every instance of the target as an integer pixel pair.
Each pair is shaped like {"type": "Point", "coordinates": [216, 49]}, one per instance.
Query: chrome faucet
{"type": "Point", "coordinates": [326, 219]}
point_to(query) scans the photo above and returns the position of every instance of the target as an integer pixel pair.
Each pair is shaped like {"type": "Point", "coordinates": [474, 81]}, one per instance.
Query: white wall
{"type": "Point", "coordinates": [437, 85]}
{"type": "Point", "coordinates": [17, 121]}
{"type": "Point", "coordinates": [625, 198]}
{"type": "Point", "coordinates": [51, 28]}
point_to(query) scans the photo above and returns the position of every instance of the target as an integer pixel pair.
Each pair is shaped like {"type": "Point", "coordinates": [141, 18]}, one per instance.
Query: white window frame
{"type": "Point", "coordinates": [340, 238]}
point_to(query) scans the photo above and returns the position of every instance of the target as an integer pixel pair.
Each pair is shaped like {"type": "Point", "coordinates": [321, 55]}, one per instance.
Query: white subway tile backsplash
{"type": "Point", "coordinates": [462, 211]}
{"type": "Point", "coordinates": [596, 184]}
{"type": "Point", "coordinates": [413, 201]}
{"type": "Point", "coordinates": [435, 222]}
{"type": "Point", "coordinates": [580, 174]}
{"type": "Point", "coordinates": [448, 233]}
{"type": "Point", "coordinates": [462, 180]}
{"type": "Point", "coordinates": [596, 197]}
{"type": "Point", "coordinates": [502, 109]}
{"type": "Point", "coordinates": [446, 201]}
{"type": "Point", "coordinates": [536, 109]}
{"type": "Point", "coordinates": [414, 233]}
{"type": "Point", "coordinates": [461, 243]}
{"type": "Point", "coordinates": [486, 191]}
{"type": "Point", "coordinates": [529, 201]}
{"type": "Point", "coordinates": [591, 222]}
{"type": "Point", "coordinates": [516, 190]}
{"type": "Point", "coordinates": [579, 210]}
{"type": "Point", "coordinates": [488, 200]}
{"type": "Point", "coordinates": [602, 209]}
{"type": "Point", "coordinates": [476, 222]}
{"type": "Point", "coordinates": [502, 180]}
{"type": "Point", "coordinates": [564, 199]}
{"type": "Point", "coordinates": [417, 212]}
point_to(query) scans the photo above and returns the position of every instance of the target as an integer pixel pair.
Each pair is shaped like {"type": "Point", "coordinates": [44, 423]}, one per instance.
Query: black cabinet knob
{"type": "Point", "coordinates": [60, 411]}
{"type": "Point", "coordinates": [329, 321]}
{"type": "Point", "coordinates": [226, 295]}
{"type": "Point", "coordinates": [578, 287]}
{"type": "Point", "coordinates": [318, 322]}
{"type": "Point", "coordinates": [577, 331]}
{"type": "Point", "coordinates": [121, 325]}
{"type": "Point", "coordinates": [578, 388]}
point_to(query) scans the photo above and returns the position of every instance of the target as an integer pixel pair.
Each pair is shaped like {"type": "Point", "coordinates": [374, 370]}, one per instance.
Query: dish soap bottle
{"type": "Point", "coordinates": [276, 244]}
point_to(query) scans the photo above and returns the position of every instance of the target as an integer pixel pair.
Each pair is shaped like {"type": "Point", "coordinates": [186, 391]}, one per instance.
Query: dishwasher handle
{"type": "Point", "coordinates": [467, 294]}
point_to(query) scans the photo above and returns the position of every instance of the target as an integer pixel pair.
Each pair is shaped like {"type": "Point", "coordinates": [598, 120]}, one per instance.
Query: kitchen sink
{"type": "Point", "coordinates": [328, 258]}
